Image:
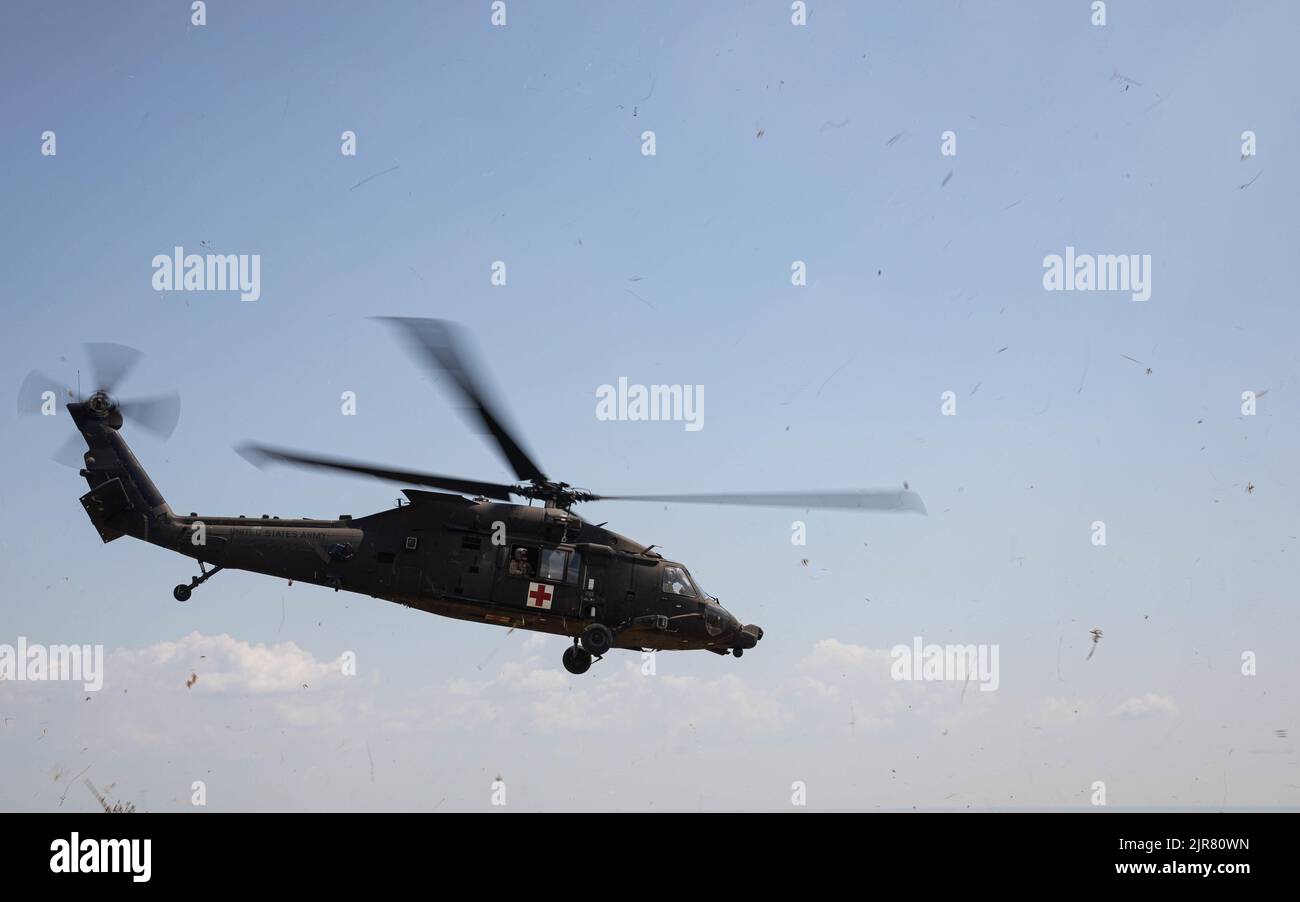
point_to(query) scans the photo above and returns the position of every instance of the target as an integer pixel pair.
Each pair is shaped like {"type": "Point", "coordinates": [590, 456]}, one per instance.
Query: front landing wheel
{"type": "Point", "coordinates": [576, 660]}
{"type": "Point", "coordinates": [597, 639]}
{"type": "Point", "coordinates": [181, 593]}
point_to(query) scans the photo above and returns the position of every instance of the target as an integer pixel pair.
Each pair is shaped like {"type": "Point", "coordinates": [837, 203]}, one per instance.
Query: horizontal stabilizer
{"type": "Point", "coordinates": [104, 503]}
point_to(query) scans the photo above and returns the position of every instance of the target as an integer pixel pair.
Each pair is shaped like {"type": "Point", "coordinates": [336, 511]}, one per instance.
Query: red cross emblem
{"type": "Point", "coordinates": [539, 596]}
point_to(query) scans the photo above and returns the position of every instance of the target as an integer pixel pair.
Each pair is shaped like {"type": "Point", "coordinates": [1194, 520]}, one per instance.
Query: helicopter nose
{"type": "Point", "coordinates": [749, 636]}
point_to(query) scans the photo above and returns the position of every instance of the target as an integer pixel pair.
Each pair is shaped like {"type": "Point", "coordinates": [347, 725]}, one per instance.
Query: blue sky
{"type": "Point", "coordinates": [523, 144]}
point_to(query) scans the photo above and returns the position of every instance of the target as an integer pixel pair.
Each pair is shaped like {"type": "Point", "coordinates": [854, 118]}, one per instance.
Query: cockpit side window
{"type": "Point", "coordinates": [677, 582]}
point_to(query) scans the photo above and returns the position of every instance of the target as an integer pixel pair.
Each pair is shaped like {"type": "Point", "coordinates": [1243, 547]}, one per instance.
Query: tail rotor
{"type": "Point", "coordinates": [110, 365]}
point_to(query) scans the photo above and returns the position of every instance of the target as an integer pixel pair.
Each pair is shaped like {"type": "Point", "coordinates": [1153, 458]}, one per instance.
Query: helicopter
{"type": "Point", "coordinates": [466, 551]}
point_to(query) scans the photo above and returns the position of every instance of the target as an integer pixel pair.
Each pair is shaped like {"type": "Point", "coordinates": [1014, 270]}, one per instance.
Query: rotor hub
{"type": "Point", "coordinates": [101, 404]}
{"type": "Point", "coordinates": [554, 494]}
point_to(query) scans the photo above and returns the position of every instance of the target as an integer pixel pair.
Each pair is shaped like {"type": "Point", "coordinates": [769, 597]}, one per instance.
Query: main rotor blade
{"type": "Point", "coordinates": [110, 364]}
{"type": "Point", "coordinates": [440, 343]}
{"type": "Point", "coordinates": [158, 414]}
{"type": "Point", "coordinates": [259, 455]}
{"type": "Point", "coordinates": [851, 499]}
{"type": "Point", "coordinates": [35, 385]}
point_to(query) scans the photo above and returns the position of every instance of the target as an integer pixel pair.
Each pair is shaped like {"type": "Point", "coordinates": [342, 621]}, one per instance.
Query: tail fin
{"type": "Point", "coordinates": [122, 499]}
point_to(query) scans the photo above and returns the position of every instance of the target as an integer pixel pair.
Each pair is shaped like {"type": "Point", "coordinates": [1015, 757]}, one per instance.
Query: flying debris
{"type": "Point", "coordinates": [1096, 637]}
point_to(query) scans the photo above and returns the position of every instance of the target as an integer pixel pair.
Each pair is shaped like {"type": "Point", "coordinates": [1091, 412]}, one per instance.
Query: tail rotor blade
{"type": "Point", "coordinates": [158, 414]}
{"type": "Point", "coordinates": [72, 453]}
{"type": "Point", "coordinates": [31, 394]}
{"type": "Point", "coordinates": [110, 364]}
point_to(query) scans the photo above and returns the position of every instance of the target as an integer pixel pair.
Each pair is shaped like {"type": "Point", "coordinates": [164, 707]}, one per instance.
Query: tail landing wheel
{"type": "Point", "coordinates": [576, 660]}
{"type": "Point", "coordinates": [182, 592]}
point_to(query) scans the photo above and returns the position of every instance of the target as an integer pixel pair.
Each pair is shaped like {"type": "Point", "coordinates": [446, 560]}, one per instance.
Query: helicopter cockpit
{"type": "Point", "coordinates": [676, 581]}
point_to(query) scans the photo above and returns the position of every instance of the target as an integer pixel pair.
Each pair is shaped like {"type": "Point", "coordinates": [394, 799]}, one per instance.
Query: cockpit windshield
{"type": "Point", "coordinates": [676, 581]}
{"type": "Point", "coordinates": [704, 593]}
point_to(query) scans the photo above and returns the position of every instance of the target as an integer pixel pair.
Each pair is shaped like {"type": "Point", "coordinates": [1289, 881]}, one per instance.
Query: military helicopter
{"type": "Point", "coordinates": [466, 551]}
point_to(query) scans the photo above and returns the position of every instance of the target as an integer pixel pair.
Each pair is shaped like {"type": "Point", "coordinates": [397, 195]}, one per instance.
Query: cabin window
{"type": "Point", "coordinates": [559, 565]}
{"type": "Point", "coordinates": [523, 561]}
{"type": "Point", "coordinates": [553, 564]}
{"type": "Point", "coordinates": [676, 581]}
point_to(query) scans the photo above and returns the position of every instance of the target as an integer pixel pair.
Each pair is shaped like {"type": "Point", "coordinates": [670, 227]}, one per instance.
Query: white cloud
{"type": "Point", "coordinates": [754, 729]}
{"type": "Point", "coordinates": [839, 675]}
{"type": "Point", "coordinates": [1148, 705]}
{"type": "Point", "coordinates": [227, 666]}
